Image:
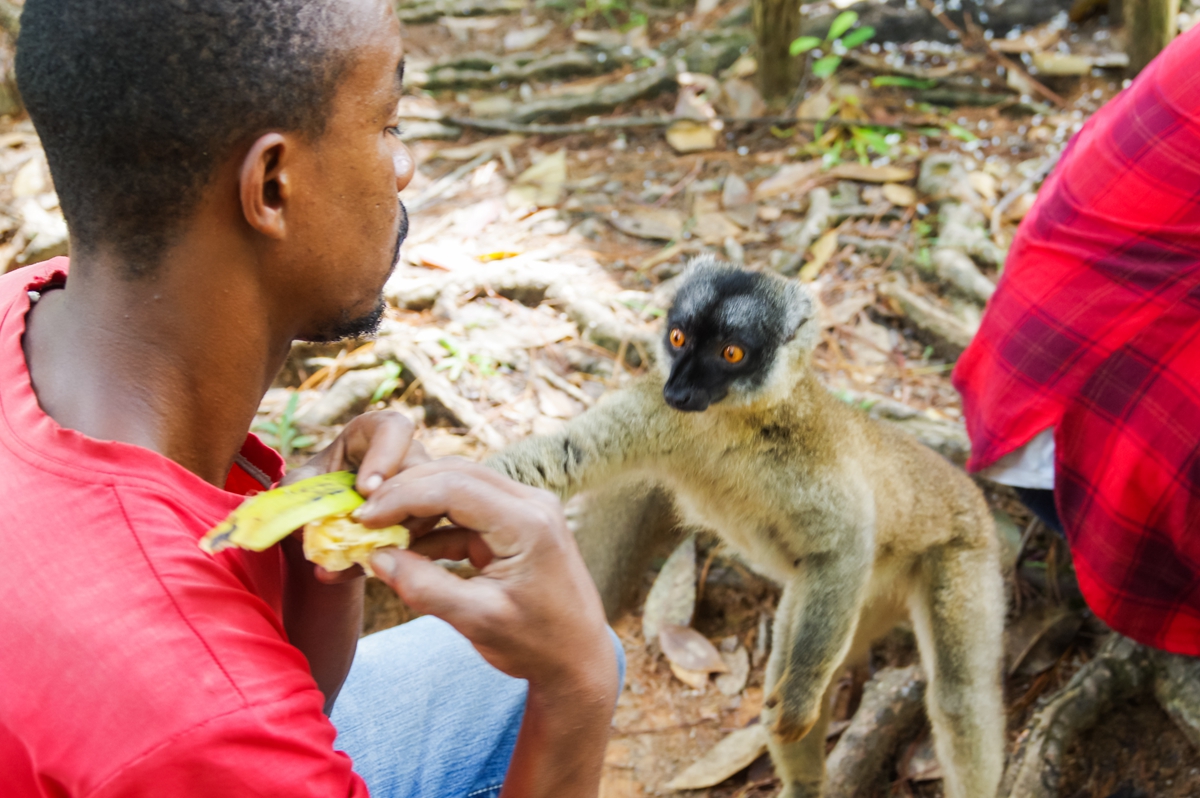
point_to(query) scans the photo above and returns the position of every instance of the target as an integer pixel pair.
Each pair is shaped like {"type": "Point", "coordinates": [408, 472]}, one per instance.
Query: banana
{"type": "Point", "coordinates": [322, 504]}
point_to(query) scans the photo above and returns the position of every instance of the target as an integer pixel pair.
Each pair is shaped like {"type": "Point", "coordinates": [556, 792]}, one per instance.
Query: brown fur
{"type": "Point", "coordinates": [858, 522]}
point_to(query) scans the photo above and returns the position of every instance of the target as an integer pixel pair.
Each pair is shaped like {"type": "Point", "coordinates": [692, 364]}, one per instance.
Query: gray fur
{"type": "Point", "coordinates": [859, 523]}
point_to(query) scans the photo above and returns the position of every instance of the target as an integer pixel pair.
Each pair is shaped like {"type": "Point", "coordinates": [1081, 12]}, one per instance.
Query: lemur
{"type": "Point", "coordinates": [856, 520]}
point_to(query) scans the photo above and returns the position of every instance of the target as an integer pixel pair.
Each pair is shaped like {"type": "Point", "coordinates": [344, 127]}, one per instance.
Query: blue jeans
{"type": "Point", "coordinates": [422, 714]}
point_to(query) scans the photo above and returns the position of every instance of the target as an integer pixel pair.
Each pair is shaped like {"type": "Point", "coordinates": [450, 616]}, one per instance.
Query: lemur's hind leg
{"type": "Point", "coordinates": [958, 615]}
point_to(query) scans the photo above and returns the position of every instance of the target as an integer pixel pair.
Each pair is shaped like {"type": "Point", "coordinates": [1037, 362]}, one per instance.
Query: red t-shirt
{"type": "Point", "coordinates": [131, 662]}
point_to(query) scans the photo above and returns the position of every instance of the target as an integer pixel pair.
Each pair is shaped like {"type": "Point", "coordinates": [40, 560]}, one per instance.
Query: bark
{"type": "Point", "coordinates": [1152, 24]}
{"type": "Point", "coordinates": [1121, 670]}
{"type": "Point", "coordinates": [776, 24]}
{"type": "Point", "coordinates": [1177, 688]}
{"type": "Point", "coordinates": [891, 712]}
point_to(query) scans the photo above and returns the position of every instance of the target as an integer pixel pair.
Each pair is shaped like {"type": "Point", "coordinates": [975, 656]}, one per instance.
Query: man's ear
{"type": "Point", "coordinates": [264, 185]}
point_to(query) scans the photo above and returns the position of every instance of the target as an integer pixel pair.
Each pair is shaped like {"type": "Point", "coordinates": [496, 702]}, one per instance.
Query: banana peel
{"type": "Point", "coordinates": [322, 505]}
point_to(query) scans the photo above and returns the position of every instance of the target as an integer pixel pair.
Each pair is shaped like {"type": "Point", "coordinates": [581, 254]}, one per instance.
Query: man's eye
{"type": "Point", "coordinates": [678, 339]}
{"type": "Point", "coordinates": [733, 354]}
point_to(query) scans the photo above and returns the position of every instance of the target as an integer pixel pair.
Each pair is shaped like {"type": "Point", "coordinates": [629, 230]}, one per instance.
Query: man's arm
{"type": "Point", "coordinates": [322, 611]}
{"type": "Point", "coordinates": [533, 612]}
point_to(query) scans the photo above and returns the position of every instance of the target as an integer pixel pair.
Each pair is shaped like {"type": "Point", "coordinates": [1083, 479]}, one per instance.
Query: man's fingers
{"type": "Point", "coordinates": [466, 604]}
{"type": "Point", "coordinates": [377, 445]}
{"type": "Point", "coordinates": [467, 500]}
{"type": "Point", "coordinates": [480, 472]}
{"type": "Point", "coordinates": [380, 444]}
{"type": "Point", "coordinates": [453, 543]}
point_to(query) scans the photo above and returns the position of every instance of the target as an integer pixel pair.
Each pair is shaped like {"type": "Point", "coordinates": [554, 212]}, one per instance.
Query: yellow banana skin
{"type": "Point", "coordinates": [322, 504]}
{"type": "Point", "coordinates": [267, 518]}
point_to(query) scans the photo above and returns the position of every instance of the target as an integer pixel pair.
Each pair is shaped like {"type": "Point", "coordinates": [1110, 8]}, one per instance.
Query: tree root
{"type": "Point", "coordinates": [818, 219]}
{"type": "Point", "coordinates": [440, 389]}
{"type": "Point", "coordinates": [891, 712]}
{"type": "Point", "coordinates": [433, 10]}
{"type": "Point", "coordinates": [529, 284]}
{"type": "Point", "coordinates": [1122, 670]}
{"type": "Point", "coordinates": [487, 70]}
{"type": "Point", "coordinates": [950, 330]}
{"type": "Point", "coordinates": [948, 438]}
{"type": "Point", "coordinates": [635, 86]}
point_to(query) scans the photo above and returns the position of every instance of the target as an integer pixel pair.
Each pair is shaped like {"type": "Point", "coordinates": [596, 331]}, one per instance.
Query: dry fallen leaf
{"type": "Point", "coordinates": [899, 195]}
{"type": "Point", "coordinates": [541, 184]}
{"type": "Point", "coordinates": [690, 650]}
{"type": "Point", "coordinates": [1036, 640]}
{"type": "Point", "coordinates": [733, 754]}
{"type": "Point", "coordinates": [672, 597]}
{"type": "Point", "coordinates": [871, 174]}
{"type": "Point", "coordinates": [478, 148]}
{"type": "Point", "coordinates": [663, 224]}
{"type": "Point", "coordinates": [984, 183]}
{"type": "Point", "coordinates": [738, 662]}
{"type": "Point", "coordinates": [714, 227]}
{"type": "Point", "coordinates": [822, 250]}
{"type": "Point", "coordinates": [687, 135]}
{"type": "Point", "coordinates": [788, 179]}
{"type": "Point", "coordinates": [697, 680]}
{"type": "Point", "coordinates": [1061, 64]}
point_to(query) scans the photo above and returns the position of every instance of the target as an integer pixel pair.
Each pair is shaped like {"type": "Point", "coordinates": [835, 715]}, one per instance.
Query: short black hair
{"type": "Point", "coordinates": [137, 101]}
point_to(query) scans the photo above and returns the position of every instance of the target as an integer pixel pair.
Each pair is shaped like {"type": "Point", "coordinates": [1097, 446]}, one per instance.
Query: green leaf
{"type": "Point", "coordinates": [903, 81]}
{"type": "Point", "coordinates": [303, 442]}
{"type": "Point", "coordinates": [824, 67]}
{"type": "Point", "coordinates": [803, 44]}
{"type": "Point", "coordinates": [782, 133]}
{"type": "Point", "coordinates": [857, 37]}
{"type": "Point", "coordinates": [844, 22]}
{"type": "Point", "coordinates": [391, 381]}
{"type": "Point", "coordinates": [961, 133]}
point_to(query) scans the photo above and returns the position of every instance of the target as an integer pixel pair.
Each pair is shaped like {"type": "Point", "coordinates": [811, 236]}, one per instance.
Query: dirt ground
{"type": "Point", "coordinates": [514, 355]}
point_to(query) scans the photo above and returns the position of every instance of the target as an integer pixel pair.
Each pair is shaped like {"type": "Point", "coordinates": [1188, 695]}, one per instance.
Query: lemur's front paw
{"type": "Point", "coordinates": [788, 722]}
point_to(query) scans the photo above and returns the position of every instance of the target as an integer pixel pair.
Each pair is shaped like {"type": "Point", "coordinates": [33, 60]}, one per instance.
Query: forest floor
{"type": "Point", "coordinates": [538, 265]}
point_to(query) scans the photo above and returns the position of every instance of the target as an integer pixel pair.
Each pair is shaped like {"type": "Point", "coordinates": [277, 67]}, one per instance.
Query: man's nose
{"type": "Point", "coordinates": [404, 164]}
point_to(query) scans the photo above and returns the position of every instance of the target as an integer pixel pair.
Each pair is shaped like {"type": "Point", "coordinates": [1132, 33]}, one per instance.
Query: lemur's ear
{"type": "Point", "coordinates": [800, 321]}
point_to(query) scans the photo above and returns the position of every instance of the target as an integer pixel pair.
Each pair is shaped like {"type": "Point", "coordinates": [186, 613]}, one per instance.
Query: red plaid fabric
{"type": "Point", "coordinates": [1095, 331]}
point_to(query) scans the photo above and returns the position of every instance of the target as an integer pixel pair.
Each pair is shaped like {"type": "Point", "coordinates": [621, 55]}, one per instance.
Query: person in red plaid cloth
{"type": "Point", "coordinates": [1082, 387]}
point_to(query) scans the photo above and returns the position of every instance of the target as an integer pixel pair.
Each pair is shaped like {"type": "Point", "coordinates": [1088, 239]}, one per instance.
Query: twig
{"type": "Point", "coordinates": [625, 122]}
{"type": "Point", "coordinates": [443, 184]}
{"type": "Point", "coordinates": [1026, 185]}
{"type": "Point", "coordinates": [712, 553]}
{"type": "Point", "coordinates": [1004, 61]}
{"type": "Point", "coordinates": [682, 184]}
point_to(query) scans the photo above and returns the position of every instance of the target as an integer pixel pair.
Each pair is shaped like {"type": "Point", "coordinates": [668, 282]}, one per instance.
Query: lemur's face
{"type": "Point", "coordinates": [722, 335]}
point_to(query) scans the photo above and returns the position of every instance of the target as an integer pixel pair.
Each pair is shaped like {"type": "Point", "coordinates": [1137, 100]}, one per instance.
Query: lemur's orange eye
{"type": "Point", "coordinates": [734, 354]}
{"type": "Point", "coordinates": [678, 338]}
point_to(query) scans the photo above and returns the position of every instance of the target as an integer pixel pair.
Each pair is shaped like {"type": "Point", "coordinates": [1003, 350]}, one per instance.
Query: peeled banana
{"type": "Point", "coordinates": [322, 505]}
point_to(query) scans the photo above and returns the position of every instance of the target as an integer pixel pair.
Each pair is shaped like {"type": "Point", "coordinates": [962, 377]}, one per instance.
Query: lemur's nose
{"type": "Point", "coordinates": [682, 398]}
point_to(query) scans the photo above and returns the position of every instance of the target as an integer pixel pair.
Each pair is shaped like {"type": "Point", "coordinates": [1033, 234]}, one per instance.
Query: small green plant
{"type": "Point", "coordinates": [281, 434]}
{"type": "Point", "coordinates": [457, 359]}
{"type": "Point", "coordinates": [903, 81]}
{"type": "Point", "coordinates": [391, 381]}
{"type": "Point", "coordinates": [843, 36]}
{"type": "Point", "coordinates": [617, 13]}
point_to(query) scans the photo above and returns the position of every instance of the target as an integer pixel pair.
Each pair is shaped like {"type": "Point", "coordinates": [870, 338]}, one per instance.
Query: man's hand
{"type": "Point", "coordinates": [533, 612]}
{"type": "Point", "coordinates": [322, 610]}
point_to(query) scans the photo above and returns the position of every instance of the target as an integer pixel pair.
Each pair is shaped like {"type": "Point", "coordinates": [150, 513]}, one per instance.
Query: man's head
{"type": "Point", "coordinates": [277, 110]}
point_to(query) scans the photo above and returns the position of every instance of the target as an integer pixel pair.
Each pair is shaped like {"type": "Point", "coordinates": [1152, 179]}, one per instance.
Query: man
{"type": "Point", "coordinates": [1081, 387]}
{"type": "Point", "coordinates": [229, 173]}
